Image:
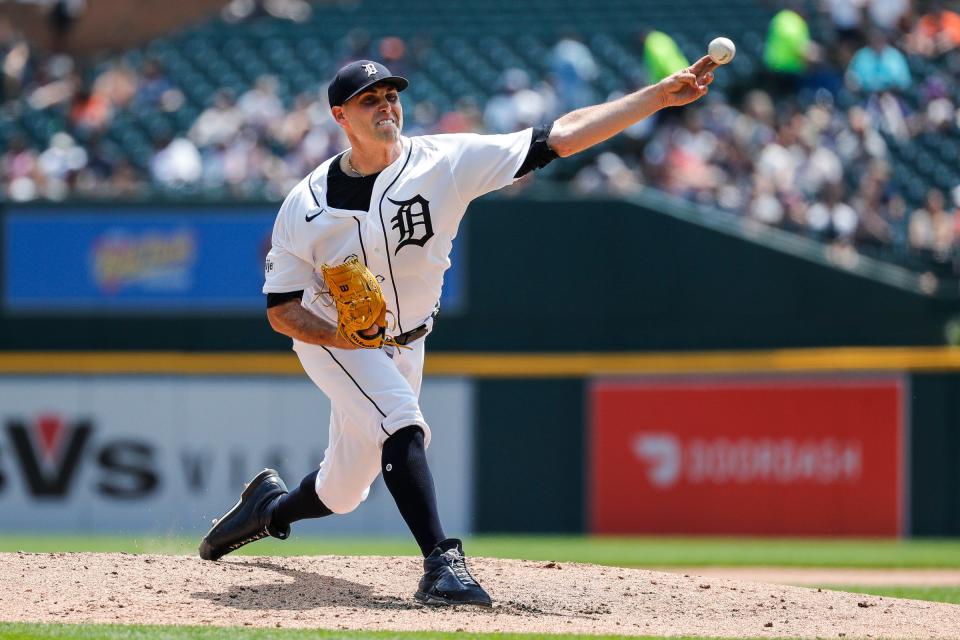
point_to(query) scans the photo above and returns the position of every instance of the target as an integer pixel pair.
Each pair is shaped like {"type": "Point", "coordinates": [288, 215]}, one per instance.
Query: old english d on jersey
{"type": "Point", "coordinates": [406, 236]}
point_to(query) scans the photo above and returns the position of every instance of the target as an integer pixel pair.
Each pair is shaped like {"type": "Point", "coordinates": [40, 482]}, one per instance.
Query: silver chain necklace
{"type": "Point", "coordinates": [351, 167]}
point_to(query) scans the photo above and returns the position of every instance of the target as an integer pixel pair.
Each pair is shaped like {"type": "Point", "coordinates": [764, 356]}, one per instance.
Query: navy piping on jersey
{"type": "Point", "coordinates": [353, 380]}
{"type": "Point", "coordinates": [360, 235]}
{"type": "Point", "coordinates": [312, 194]}
{"type": "Point", "coordinates": [386, 242]}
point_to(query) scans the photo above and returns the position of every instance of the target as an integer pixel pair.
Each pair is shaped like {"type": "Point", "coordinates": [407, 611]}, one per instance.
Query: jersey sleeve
{"type": "Point", "coordinates": [284, 270]}
{"type": "Point", "coordinates": [485, 163]}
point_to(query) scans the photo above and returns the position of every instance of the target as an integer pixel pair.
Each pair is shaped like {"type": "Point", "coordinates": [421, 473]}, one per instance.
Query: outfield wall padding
{"type": "Point", "coordinates": [563, 275]}
{"type": "Point", "coordinates": [529, 462]}
{"type": "Point", "coordinates": [935, 454]}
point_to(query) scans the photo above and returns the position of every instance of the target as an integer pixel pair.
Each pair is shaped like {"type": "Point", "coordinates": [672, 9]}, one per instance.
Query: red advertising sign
{"type": "Point", "coordinates": [797, 457]}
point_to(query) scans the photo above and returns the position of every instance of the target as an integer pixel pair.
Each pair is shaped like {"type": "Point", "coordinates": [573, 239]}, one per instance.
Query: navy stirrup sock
{"type": "Point", "coordinates": [301, 503]}
{"type": "Point", "coordinates": [407, 476]}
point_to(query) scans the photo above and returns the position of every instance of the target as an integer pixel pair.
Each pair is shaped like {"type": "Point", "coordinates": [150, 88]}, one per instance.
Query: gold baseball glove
{"type": "Point", "coordinates": [360, 303]}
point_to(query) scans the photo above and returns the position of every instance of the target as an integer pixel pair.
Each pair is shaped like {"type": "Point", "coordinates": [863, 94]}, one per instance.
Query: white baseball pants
{"type": "Point", "coordinates": [372, 395]}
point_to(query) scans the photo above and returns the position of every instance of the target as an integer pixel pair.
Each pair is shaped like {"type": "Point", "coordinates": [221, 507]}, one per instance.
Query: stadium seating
{"type": "Point", "coordinates": [470, 43]}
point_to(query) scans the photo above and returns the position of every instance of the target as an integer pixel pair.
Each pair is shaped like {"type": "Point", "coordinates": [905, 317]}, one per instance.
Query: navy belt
{"type": "Point", "coordinates": [415, 334]}
{"type": "Point", "coordinates": [408, 337]}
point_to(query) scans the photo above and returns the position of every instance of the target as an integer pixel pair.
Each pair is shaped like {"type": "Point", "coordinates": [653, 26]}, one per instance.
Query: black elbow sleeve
{"type": "Point", "coordinates": [540, 154]}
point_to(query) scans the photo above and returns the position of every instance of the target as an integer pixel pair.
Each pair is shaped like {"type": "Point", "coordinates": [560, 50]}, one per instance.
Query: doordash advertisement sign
{"type": "Point", "coordinates": [786, 457]}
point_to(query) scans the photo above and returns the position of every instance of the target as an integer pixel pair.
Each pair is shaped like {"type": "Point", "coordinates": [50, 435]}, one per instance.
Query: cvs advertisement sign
{"type": "Point", "coordinates": [793, 457]}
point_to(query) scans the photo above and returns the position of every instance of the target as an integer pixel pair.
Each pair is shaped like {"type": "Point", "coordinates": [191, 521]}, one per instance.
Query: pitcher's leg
{"type": "Point", "coordinates": [407, 476]}
{"type": "Point", "coordinates": [367, 386]}
{"type": "Point", "coordinates": [350, 464]}
{"type": "Point", "coordinates": [301, 503]}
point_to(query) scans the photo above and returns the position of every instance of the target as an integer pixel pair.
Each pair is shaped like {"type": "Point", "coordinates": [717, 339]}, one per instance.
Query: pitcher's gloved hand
{"type": "Point", "coordinates": [361, 309]}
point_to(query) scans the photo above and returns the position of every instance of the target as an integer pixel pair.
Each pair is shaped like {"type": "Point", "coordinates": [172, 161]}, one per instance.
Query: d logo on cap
{"type": "Point", "coordinates": [357, 76]}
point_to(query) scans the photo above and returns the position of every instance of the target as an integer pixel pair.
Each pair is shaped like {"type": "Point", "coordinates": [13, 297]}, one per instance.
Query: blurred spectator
{"type": "Point", "coordinates": [101, 159]}
{"type": "Point", "coordinates": [935, 33]}
{"type": "Point", "coordinates": [423, 120]}
{"type": "Point", "coordinates": [14, 60]}
{"type": "Point", "coordinates": [610, 174]}
{"type": "Point", "coordinates": [661, 56]}
{"type": "Point", "coordinates": [878, 67]}
{"type": "Point", "coordinates": [242, 10]}
{"type": "Point", "coordinates": [692, 147]}
{"type": "Point", "coordinates": [153, 85]}
{"type": "Point", "coordinates": [932, 228]}
{"type": "Point", "coordinates": [242, 162]}
{"type": "Point", "coordinates": [117, 84]}
{"type": "Point", "coordinates": [176, 162]}
{"type": "Point", "coordinates": [894, 213]}
{"type": "Point", "coordinates": [219, 122]}
{"type": "Point", "coordinates": [56, 83]}
{"type": "Point", "coordinates": [876, 218]}
{"type": "Point", "coordinates": [292, 126]}
{"type": "Point", "coordinates": [940, 112]}
{"type": "Point", "coordinates": [858, 142]}
{"type": "Point", "coordinates": [780, 160]}
{"type": "Point", "coordinates": [393, 53]}
{"type": "Point", "coordinates": [517, 105]}
{"type": "Point", "coordinates": [847, 16]}
{"type": "Point", "coordinates": [18, 166]}
{"type": "Point", "coordinates": [832, 218]}
{"type": "Point", "coordinates": [466, 118]}
{"type": "Point", "coordinates": [788, 43]}
{"type": "Point", "coordinates": [89, 112]}
{"type": "Point", "coordinates": [59, 165]}
{"type": "Point", "coordinates": [820, 167]}
{"type": "Point", "coordinates": [887, 14]}
{"type": "Point", "coordinates": [765, 206]}
{"type": "Point", "coordinates": [260, 107]}
{"type": "Point", "coordinates": [574, 70]}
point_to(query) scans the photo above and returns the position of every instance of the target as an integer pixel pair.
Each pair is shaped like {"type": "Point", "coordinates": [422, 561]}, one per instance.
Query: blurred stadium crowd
{"type": "Point", "coordinates": [838, 120]}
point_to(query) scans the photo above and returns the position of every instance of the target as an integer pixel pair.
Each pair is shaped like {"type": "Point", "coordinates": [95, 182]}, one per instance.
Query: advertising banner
{"type": "Point", "coordinates": [147, 260]}
{"type": "Point", "coordinates": [788, 457]}
{"type": "Point", "coordinates": [168, 455]}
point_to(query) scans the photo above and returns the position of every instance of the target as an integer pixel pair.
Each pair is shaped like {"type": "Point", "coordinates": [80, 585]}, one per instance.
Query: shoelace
{"type": "Point", "coordinates": [260, 535]}
{"type": "Point", "coordinates": [459, 566]}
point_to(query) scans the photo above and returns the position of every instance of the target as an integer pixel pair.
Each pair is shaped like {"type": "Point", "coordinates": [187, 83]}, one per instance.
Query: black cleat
{"type": "Point", "coordinates": [248, 520]}
{"type": "Point", "coordinates": [446, 579]}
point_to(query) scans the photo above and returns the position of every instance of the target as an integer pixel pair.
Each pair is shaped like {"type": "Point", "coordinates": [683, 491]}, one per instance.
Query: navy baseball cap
{"type": "Point", "coordinates": [357, 76]}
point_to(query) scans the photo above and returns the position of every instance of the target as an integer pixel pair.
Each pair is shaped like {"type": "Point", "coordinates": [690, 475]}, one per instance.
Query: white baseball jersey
{"type": "Point", "coordinates": [406, 236]}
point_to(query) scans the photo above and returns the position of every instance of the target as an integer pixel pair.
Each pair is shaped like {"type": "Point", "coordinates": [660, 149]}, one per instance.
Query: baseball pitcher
{"type": "Point", "coordinates": [354, 277]}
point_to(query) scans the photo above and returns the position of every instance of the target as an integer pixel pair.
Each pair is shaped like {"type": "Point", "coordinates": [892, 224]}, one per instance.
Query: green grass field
{"type": "Point", "coordinates": [127, 632]}
{"type": "Point", "coordinates": [615, 551]}
{"type": "Point", "coordinates": [934, 594]}
{"type": "Point", "coordinates": [629, 552]}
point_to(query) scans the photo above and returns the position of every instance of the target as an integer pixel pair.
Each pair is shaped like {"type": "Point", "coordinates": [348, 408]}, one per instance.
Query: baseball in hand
{"type": "Point", "coordinates": [721, 50]}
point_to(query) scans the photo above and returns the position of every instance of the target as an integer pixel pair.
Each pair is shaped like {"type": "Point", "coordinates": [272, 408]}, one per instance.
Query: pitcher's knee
{"type": "Point", "coordinates": [342, 500]}
{"type": "Point", "coordinates": [397, 421]}
{"type": "Point", "coordinates": [404, 413]}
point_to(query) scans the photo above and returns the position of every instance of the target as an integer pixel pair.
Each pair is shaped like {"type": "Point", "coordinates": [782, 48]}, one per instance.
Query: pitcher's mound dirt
{"type": "Point", "coordinates": [334, 592]}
